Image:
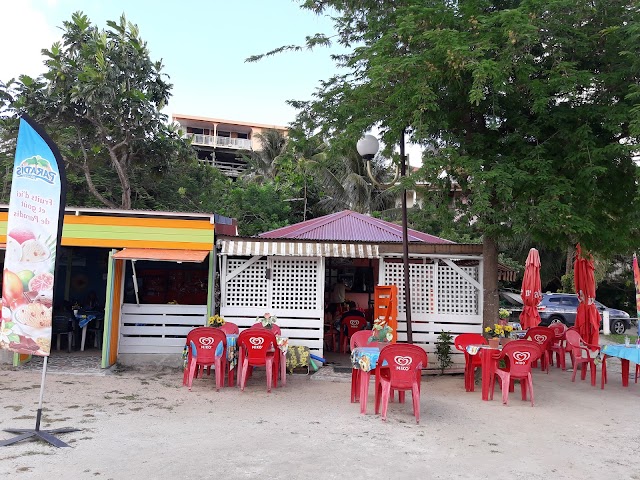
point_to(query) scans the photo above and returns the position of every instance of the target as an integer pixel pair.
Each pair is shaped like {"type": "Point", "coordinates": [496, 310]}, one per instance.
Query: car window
{"type": "Point", "coordinates": [554, 300]}
{"type": "Point", "coordinates": [571, 301]}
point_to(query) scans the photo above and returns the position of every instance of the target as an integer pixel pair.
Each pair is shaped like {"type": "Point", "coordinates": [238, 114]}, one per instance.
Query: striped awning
{"type": "Point", "coordinates": [250, 248]}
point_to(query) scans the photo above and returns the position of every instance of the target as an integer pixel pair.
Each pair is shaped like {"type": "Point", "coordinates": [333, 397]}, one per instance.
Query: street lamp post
{"type": "Point", "coordinates": [367, 148]}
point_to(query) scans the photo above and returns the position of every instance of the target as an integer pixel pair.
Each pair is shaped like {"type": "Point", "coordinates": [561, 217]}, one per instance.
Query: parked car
{"type": "Point", "coordinates": [563, 307]}
{"type": "Point", "coordinates": [512, 301]}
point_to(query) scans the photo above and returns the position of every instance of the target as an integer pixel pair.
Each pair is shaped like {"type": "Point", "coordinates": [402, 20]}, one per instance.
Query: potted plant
{"type": "Point", "coordinates": [503, 314]}
{"type": "Point", "coordinates": [496, 333]}
{"type": "Point", "coordinates": [382, 332]}
{"type": "Point", "coordinates": [267, 320]}
{"type": "Point", "coordinates": [215, 321]}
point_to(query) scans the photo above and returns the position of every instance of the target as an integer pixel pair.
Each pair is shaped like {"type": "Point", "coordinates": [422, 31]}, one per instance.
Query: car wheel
{"type": "Point", "coordinates": [556, 320]}
{"type": "Point", "coordinates": [617, 326]}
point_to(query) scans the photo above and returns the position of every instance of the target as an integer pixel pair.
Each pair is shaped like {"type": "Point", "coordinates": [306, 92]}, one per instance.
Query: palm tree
{"type": "Point", "coordinates": [347, 185]}
{"type": "Point", "coordinates": [262, 165]}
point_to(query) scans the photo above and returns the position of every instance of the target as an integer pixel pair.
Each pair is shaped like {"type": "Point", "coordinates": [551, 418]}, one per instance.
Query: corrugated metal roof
{"type": "Point", "coordinates": [351, 226]}
{"type": "Point", "coordinates": [249, 247]}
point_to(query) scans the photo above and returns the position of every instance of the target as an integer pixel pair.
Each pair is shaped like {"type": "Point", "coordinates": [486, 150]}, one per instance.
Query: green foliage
{"type": "Point", "coordinates": [443, 350]}
{"type": "Point", "coordinates": [534, 131]}
{"type": "Point", "coordinates": [100, 100]}
{"type": "Point", "coordinates": [567, 283]}
{"type": "Point", "coordinates": [258, 208]}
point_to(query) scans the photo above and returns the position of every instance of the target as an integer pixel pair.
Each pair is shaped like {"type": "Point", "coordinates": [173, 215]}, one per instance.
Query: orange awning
{"type": "Point", "coordinates": [163, 255]}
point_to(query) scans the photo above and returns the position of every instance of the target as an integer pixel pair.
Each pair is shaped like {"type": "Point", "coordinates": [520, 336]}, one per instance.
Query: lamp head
{"type": "Point", "coordinates": [367, 147]}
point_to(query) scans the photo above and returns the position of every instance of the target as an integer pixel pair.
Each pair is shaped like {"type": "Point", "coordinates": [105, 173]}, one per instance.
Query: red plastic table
{"type": "Point", "coordinates": [626, 355]}
{"type": "Point", "coordinates": [488, 362]}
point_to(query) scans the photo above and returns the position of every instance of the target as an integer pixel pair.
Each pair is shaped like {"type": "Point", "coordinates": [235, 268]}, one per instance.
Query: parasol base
{"type": "Point", "coordinates": [45, 435]}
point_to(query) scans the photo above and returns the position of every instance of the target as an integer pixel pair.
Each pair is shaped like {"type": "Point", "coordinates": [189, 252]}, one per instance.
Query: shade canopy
{"type": "Point", "coordinates": [587, 318]}
{"type": "Point", "coordinates": [531, 292]}
{"type": "Point", "coordinates": [159, 254]}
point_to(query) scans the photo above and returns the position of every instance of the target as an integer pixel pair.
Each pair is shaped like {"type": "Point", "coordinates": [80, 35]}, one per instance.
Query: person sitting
{"type": "Point", "coordinates": [91, 302]}
{"type": "Point", "coordinates": [353, 311]}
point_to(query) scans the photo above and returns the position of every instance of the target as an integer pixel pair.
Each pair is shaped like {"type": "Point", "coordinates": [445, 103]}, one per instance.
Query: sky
{"type": "Point", "coordinates": [203, 46]}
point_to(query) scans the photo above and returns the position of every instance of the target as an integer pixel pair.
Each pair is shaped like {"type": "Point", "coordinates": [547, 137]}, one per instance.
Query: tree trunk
{"type": "Point", "coordinates": [490, 282]}
{"type": "Point", "coordinates": [568, 267]}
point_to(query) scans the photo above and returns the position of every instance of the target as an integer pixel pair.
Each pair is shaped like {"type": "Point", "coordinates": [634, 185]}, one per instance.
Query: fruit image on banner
{"type": "Point", "coordinates": [34, 226]}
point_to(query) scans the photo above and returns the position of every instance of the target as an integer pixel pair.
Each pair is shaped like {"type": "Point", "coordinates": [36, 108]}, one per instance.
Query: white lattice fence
{"type": "Point", "coordinates": [293, 292]}
{"type": "Point", "coordinates": [441, 300]}
{"type": "Point", "coordinates": [294, 284]}
{"type": "Point", "coordinates": [248, 287]}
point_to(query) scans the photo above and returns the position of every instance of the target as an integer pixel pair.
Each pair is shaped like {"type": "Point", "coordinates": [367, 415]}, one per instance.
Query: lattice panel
{"type": "Point", "coordinates": [295, 284]}
{"type": "Point", "coordinates": [456, 295]}
{"type": "Point", "coordinates": [422, 286]}
{"type": "Point", "coordinates": [249, 287]}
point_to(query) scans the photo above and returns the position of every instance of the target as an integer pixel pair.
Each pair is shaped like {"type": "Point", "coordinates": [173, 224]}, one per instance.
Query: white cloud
{"type": "Point", "coordinates": [24, 33]}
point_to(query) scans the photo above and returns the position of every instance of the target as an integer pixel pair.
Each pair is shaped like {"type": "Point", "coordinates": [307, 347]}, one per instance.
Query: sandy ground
{"type": "Point", "coordinates": [144, 423]}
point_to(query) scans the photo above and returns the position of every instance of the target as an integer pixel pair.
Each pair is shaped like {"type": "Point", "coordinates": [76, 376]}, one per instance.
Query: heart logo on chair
{"type": "Point", "coordinates": [402, 361]}
{"type": "Point", "coordinates": [354, 323]}
{"type": "Point", "coordinates": [256, 341]}
{"type": "Point", "coordinates": [207, 341]}
{"type": "Point", "coordinates": [540, 338]}
{"type": "Point", "coordinates": [521, 357]}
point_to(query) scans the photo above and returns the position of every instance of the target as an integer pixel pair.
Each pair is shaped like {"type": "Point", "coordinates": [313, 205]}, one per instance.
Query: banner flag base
{"type": "Point", "coordinates": [46, 435]}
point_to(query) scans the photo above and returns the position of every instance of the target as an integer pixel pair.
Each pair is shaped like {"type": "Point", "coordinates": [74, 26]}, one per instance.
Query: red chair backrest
{"type": "Point", "coordinates": [521, 353]}
{"type": "Point", "coordinates": [575, 341]}
{"type": "Point", "coordinates": [543, 336]}
{"type": "Point", "coordinates": [274, 328]}
{"type": "Point", "coordinates": [558, 329]}
{"type": "Point", "coordinates": [354, 323]}
{"type": "Point", "coordinates": [361, 339]}
{"type": "Point", "coordinates": [461, 341]}
{"type": "Point", "coordinates": [206, 340]}
{"type": "Point", "coordinates": [230, 328]}
{"type": "Point", "coordinates": [257, 344]}
{"type": "Point", "coordinates": [403, 364]}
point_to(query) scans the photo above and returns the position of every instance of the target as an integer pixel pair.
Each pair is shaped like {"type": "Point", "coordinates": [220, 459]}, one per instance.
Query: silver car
{"type": "Point", "coordinates": [563, 307]}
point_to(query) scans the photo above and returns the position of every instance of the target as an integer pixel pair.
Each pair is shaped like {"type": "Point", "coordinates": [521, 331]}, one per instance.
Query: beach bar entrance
{"type": "Point", "coordinates": [283, 272]}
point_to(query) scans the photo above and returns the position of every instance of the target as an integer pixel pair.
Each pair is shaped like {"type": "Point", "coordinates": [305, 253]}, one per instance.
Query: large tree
{"type": "Point", "coordinates": [531, 107]}
{"type": "Point", "coordinates": [101, 99]}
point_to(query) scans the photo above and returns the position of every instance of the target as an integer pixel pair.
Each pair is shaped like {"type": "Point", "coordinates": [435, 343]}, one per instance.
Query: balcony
{"type": "Point", "coordinates": [217, 141]}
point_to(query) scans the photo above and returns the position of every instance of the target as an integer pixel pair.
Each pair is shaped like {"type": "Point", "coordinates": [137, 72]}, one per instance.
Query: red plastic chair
{"type": "Point", "coordinates": [519, 356]}
{"type": "Point", "coordinates": [353, 324]}
{"type": "Point", "coordinates": [205, 341]}
{"type": "Point", "coordinates": [583, 355]}
{"type": "Point", "coordinates": [230, 328]}
{"type": "Point", "coordinates": [259, 348]}
{"type": "Point", "coordinates": [544, 337]}
{"type": "Point", "coordinates": [274, 328]}
{"type": "Point", "coordinates": [399, 367]}
{"type": "Point", "coordinates": [360, 339]}
{"type": "Point", "coordinates": [471, 362]}
{"type": "Point", "coordinates": [558, 345]}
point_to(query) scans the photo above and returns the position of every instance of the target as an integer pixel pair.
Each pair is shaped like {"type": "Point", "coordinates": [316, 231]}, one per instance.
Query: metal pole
{"type": "Point", "coordinates": [44, 375]}
{"type": "Point", "coordinates": [405, 244]}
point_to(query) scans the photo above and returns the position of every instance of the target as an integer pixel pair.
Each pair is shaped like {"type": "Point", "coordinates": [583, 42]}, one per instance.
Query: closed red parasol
{"type": "Point", "coordinates": [587, 317]}
{"type": "Point", "coordinates": [531, 292]}
{"type": "Point", "coordinates": [636, 280]}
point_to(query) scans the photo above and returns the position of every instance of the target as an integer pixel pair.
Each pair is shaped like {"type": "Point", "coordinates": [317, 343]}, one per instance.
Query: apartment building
{"type": "Point", "coordinates": [221, 143]}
